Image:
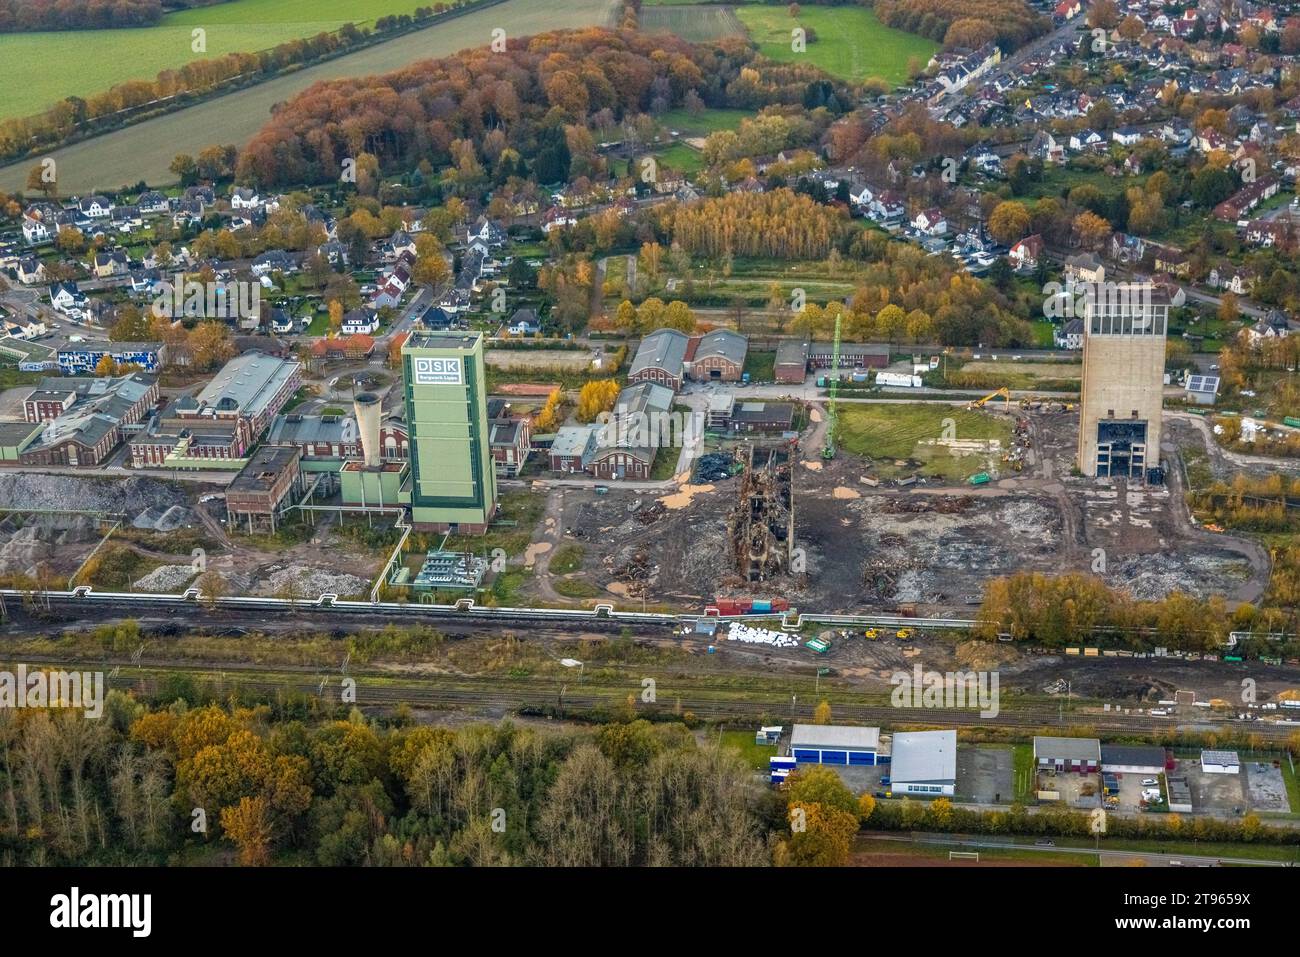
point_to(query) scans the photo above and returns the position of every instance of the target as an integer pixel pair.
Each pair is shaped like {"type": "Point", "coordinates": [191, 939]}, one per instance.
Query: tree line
{"type": "Point", "coordinates": [1015, 23]}
{"type": "Point", "coordinates": [280, 783]}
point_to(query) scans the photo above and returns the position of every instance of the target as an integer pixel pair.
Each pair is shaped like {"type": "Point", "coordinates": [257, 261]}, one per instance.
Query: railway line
{"type": "Point", "coordinates": [498, 696]}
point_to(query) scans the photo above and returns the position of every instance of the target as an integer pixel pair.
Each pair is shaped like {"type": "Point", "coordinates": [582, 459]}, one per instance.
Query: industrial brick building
{"type": "Point", "coordinates": [668, 358]}
{"type": "Point", "coordinates": [1067, 754]}
{"type": "Point", "coordinates": [249, 391]}
{"type": "Point", "coordinates": [795, 358]}
{"type": "Point", "coordinates": [264, 488]}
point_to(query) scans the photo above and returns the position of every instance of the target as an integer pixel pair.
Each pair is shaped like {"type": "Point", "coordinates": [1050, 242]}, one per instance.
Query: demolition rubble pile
{"type": "Point", "coordinates": [739, 631]}
{"type": "Point", "coordinates": [762, 522]}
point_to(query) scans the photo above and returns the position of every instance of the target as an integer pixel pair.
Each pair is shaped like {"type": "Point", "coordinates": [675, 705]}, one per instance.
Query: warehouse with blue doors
{"type": "Point", "coordinates": [836, 744]}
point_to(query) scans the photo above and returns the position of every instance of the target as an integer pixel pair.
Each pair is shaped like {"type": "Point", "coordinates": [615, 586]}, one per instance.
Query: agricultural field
{"type": "Point", "coordinates": [851, 43]}
{"type": "Point", "coordinates": [915, 434]}
{"type": "Point", "coordinates": [133, 154]}
{"type": "Point", "coordinates": [93, 62]}
{"type": "Point", "coordinates": [697, 23]}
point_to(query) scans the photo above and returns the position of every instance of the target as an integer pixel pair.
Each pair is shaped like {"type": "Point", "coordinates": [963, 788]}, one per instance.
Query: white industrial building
{"type": "Point", "coordinates": [924, 763]}
{"type": "Point", "coordinates": [1220, 762]}
{"type": "Point", "coordinates": [834, 744]}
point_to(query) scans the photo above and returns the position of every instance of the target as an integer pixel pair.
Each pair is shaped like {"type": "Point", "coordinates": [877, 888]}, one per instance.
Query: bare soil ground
{"type": "Point", "coordinates": [933, 546]}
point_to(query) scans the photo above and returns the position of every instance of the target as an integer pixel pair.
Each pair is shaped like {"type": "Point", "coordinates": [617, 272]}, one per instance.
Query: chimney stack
{"type": "Point", "coordinates": [367, 408]}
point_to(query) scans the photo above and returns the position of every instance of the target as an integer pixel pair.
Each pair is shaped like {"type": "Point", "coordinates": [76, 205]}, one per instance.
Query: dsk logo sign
{"type": "Point", "coordinates": [438, 372]}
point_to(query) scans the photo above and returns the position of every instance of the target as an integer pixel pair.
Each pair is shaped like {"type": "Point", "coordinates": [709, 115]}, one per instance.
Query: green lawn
{"type": "Point", "coordinates": [912, 432]}
{"type": "Point", "coordinates": [755, 755]}
{"type": "Point", "coordinates": [83, 62]}
{"type": "Point", "coordinates": [683, 158]}
{"type": "Point", "coordinates": [850, 42]}
{"type": "Point", "coordinates": [761, 366]}
{"type": "Point", "coordinates": [707, 121]}
{"type": "Point", "coordinates": [567, 558]}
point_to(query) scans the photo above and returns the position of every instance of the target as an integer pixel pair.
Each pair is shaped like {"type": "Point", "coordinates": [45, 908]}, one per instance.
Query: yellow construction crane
{"type": "Point", "coordinates": [1003, 393]}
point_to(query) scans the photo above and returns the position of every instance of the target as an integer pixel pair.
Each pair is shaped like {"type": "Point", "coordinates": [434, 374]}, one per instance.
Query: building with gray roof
{"type": "Point", "coordinates": [924, 763]}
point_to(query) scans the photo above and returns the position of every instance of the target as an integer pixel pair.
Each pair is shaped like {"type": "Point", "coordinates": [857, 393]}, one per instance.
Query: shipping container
{"type": "Point", "coordinates": [981, 478]}
{"type": "Point", "coordinates": [1291, 421]}
{"type": "Point", "coordinates": [761, 607]}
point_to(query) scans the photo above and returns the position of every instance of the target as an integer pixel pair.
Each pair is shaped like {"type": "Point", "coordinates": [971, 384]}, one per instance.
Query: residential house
{"type": "Point", "coordinates": [931, 222]}
{"type": "Point", "coordinates": [1027, 253]}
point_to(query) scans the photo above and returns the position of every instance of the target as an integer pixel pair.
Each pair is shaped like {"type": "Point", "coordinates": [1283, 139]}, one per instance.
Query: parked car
{"type": "Point", "coordinates": [1044, 842]}
{"type": "Point", "coordinates": [1150, 783]}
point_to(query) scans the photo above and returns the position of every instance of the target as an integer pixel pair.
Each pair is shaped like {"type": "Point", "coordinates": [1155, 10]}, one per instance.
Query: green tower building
{"type": "Point", "coordinates": [453, 482]}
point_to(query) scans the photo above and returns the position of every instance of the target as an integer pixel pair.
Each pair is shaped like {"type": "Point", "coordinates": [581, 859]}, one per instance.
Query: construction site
{"type": "Point", "coordinates": [910, 534]}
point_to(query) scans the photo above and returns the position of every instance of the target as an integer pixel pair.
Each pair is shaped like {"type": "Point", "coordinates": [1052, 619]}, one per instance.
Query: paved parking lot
{"type": "Point", "coordinates": [984, 775]}
{"type": "Point", "coordinates": [1265, 787]}
{"type": "Point", "coordinates": [1213, 793]}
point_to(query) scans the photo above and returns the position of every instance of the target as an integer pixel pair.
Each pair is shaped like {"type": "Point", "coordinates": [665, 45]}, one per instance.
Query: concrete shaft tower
{"type": "Point", "coordinates": [453, 480]}
{"type": "Point", "coordinates": [368, 410]}
{"type": "Point", "coordinates": [1124, 331]}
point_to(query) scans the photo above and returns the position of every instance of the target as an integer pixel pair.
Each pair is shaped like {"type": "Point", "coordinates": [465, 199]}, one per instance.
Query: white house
{"type": "Point", "coordinates": [67, 298]}
{"type": "Point", "coordinates": [360, 322]}
{"type": "Point", "coordinates": [30, 270]}
{"type": "Point", "coordinates": [244, 198]}
{"type": "Point", "coordinates": [95, 207]}
{"type": "Point", "coordinates": [931, 222]}
{"type": "Point", "coordinates": [36, 231]}
{"type": "Point", "coordinates": [1126, 136]}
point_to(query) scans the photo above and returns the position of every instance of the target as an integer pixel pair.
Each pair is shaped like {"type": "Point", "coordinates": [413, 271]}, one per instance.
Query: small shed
{"type": "Point", "coordinates": [1220, 762]}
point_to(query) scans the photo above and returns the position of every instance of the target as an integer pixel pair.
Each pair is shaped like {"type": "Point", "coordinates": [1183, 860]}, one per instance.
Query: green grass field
{"type": "Point", "coordinates": [851, 43]}
{"type": "Point", "coordinates": [82, 62]}
{"type": "Point", "coordinates": [707, 121]}
{"type": "Point", "coordinates": [755, 755]}
{"type": "Point", "coordinates": [892, 432]}
{"type": "Point", "coordinates": [144, 150]}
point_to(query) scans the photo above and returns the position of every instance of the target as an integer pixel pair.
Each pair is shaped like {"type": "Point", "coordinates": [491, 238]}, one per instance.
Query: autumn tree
{"type": "Point", "coordinates": [548, 419]}
{"type": "Point", "coordinates": [1009, 222]}
{"type": "Point", "coordinates": [1091, 229]}
{"type": "Point", "coordinates": [1103, 14]}
{"type": "Point", "coordinates": [596, 397]}
{"type": "Point", "coordinates": [248, 825]}
{"type": "Point", "coordinates": [822, 714]}
{"type": "Point", "coordinates": [211, 344]}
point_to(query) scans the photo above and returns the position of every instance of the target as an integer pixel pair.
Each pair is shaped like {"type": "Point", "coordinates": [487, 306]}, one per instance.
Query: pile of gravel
{"type": "Point", "coordinates": [166, 578]}
{"type": "Point", "coordinates": [129, 496]}
{"type": "Point", "coordinates": [308, 582]}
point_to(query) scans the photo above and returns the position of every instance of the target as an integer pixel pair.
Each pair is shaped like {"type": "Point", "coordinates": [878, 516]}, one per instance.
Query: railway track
{"type": "Point", "coordinates": [501, 696]}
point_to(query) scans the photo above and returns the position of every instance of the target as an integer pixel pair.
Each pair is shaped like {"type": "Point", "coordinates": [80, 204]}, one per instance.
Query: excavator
{"type": "Point", "coordinates": [1004, 393]}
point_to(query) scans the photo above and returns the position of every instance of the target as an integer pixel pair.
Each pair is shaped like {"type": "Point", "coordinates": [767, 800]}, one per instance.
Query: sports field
{"type": "Point", "coordinates": [83, 62]}
{"type": "Point", "coordinates": [850, 42]}
{"type": "Point", "coordinates": [145, 150]}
